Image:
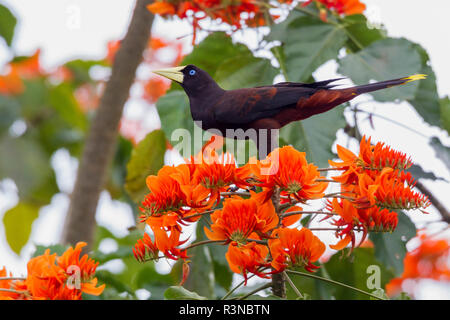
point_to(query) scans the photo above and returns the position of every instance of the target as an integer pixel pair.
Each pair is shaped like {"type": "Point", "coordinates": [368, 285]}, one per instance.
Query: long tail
{"type": "Point", "coordinates": [387, 84]}
{"type": "Point", "coordinates": [325, 99]}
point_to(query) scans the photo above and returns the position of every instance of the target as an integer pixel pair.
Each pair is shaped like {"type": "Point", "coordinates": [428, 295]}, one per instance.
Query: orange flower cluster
{"type": "Point", "coordinates": [237, 13]}
{"type": "Point", "coordinates": [428, 261]}
{"type": "Point", "coordinates": [347, 7]}
{"type": "Point", "coordinates": [11, 82]}
{"type": "Point", "coordinates": [54, 278]}
{"type": "Point", "coordinates": [254, 209]}
{"type": "Point", "coordinates": [373, 183]}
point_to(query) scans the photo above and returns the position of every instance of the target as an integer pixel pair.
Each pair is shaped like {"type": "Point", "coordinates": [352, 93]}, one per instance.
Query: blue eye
{"type": "Point", "coordinates": [192, 72]}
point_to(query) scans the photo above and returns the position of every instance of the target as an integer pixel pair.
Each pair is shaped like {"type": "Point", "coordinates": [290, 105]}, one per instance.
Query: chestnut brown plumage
{"type": "Point", "coordinates": [265, 107]}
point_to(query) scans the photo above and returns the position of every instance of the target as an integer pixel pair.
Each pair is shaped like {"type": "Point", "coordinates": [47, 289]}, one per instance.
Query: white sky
{"type": "Point", "coordinates": [52, 25]}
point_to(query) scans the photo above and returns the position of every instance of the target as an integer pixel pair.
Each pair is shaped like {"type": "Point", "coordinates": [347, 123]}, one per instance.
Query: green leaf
{"type": "Point", "coordinates": [222, 272]}
{"type": "Point", "coordinates": [442, 152]}
{"type": "Point", "coordinates": [56, 248]}
{"type": "Point", "coordinates": [426, 100]}
{"type": "Point", "coordinates": [17, 222]}
{"type": "Point", "coordinates": [445, 113]}
{"type": "Point", "coordinates": [175, 114]}
{"type": "Point", "coordinates": [245, 71]}
{"type": "Point", "coordinates": [390, 248]}
{"type": "Point", "coordinates": [315, 135]}
{"type": "Point", "coordinates": [384, 60]}
{"type": "Point", "coordinates": [180, 293]}
{"type": "Point", "coordinates": [359, 33]}
{"type": "Point", "coordinates": [9, 112]}
{"type": "Point", "coordinates": [80, 69]}
{"type": "Point", "coordinates": [213, 51]}
{"type": "Point", "coordinates": [28, 165]}
{"type": "Point", "coordinates": [307, 43]}
{"type": "Point", "coordinates": [63, 101]}
{"type": "Point", "coordinates": [201, 277]}
{"type": "Point", "coordinates": [7, 24]}
{"type": "Point", "coordinates": [118, 173]}
{"type": "Point", "coordinates": [146, 159]}
{"type": "Point", "coordinates": [361, 270]}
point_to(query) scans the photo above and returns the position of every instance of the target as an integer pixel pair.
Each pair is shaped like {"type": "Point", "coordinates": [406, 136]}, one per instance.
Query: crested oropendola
{"type": "Point", "coordinates": [265, 107]}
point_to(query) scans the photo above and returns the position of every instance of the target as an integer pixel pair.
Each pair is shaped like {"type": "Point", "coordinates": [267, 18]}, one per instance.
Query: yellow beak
{"type": "Point", "coordinates": [174, 74]}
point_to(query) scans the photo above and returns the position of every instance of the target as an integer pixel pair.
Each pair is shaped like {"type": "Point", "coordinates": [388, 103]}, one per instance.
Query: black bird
{"type": "Point", "coordinates": [235, 112]}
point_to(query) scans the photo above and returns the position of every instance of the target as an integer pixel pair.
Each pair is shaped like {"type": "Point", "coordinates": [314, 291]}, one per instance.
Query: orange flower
{"type": "Point", "coordinates": [168, 241]}
{"type": "Point", "coordinates": [71, 257]}
{"type": "Point", "coordinates": [288, 169]}
{"type": "Point", "coordinates": [347, 7]}
{"type": "Point", "coordinates": [11, 83]}
{"type": "Point", "coordinates": [8, 285]}
{"type": "Point", "coordinates": [161, 8]}
{"type": "Point", "coordinates": [388, 191]}
{"type": "Point", "coordinates": [237, 14]}
{"type": "Point", "coordinates": [428, 261]}
{"type": "Point", "coordinates": [155, 88]}
{"type": "Point", "coordinates": [165, 194]}
{"type": "Point", "coordinates": [241, 219]}
{"type": "Point", "coordinates": [370, 219]}
{"type": "Point", "coordinates": [295, 248]}
{"type": "Point", "coordinates": [28, 67]}
{"type": "Point", "coordinates": [59, 278]}
{"type": "Point", "coordinates": [250, 257]}
{"type": "Point", "coordinates": [371, 160]}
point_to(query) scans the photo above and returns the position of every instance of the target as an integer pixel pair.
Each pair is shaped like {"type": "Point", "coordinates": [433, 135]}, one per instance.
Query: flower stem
{"type": "Point", "coordinates": [200, 243]}
{"type": "Point", "coordinates": [197, 215]}
{"type": "Point", "coordinates": [297, 292]}
{"type": "Point", "coordinates": [264, 286]}
{"type": "Point", "coordinates": [12, 278]}
{"type": "Point", "coordinates": [292, 213]}
{"type": "Point", "coordinates": [14, 291]}
{"type": "Point", "coordinates": [334, 282]}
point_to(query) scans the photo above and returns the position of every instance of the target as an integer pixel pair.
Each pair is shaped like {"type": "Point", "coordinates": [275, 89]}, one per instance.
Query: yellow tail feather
{"type": "Point", "coordinates": [415, 77]}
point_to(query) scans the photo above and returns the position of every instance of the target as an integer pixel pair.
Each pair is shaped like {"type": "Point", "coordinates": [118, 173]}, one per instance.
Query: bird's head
{"type": "Point", "coordinates": [194, 80]}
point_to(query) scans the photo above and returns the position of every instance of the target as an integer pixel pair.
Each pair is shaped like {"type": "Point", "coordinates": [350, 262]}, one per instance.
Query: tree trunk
{"type": "Point", "coordinates": [102, 138]}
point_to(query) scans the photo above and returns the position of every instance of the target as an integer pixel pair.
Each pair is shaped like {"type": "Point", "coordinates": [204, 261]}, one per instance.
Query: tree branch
{"type": "Point", "coordinates": [101, 141]}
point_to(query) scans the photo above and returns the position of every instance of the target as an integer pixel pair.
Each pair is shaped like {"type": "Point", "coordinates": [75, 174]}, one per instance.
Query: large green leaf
{"type": "Point", "coordinates": [146, 159]}
{"type": "Point", "coordinates": [307, 43]}
{"type": "Point", "coordinates": [315, 135]}
{"type": "Point", "coordinates": [384, 60]}
{"type": "Point", "coordinates": [390, 248]}
{"type": "Point", "coordinates": [426, 100]}
{"type": "Point", "coordinates": [7, 24]}
{"type": "Point", "coordinates": [17, 222]}
{"type": "Point", "coordinates": [356, 271]}
{"type": "Point", "coordinates": [245, 71]}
